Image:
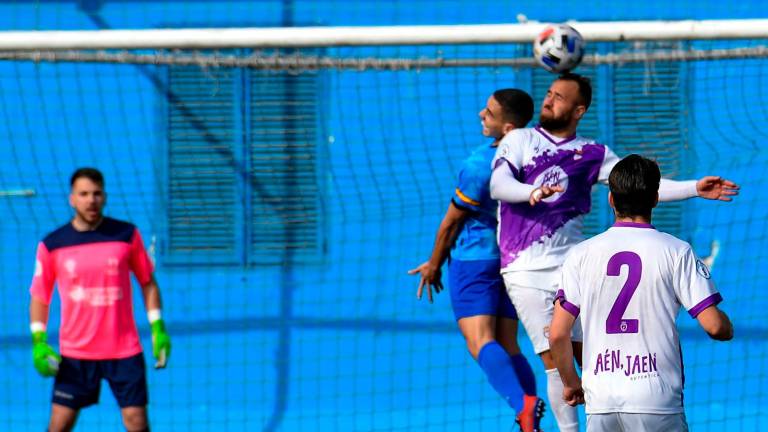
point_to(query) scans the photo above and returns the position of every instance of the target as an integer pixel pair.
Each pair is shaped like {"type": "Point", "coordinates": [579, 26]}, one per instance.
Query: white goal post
{"type": "Point", "coordinates": [297, 37]}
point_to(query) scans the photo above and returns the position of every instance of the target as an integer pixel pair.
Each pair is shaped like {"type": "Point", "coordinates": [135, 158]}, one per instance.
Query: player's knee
{"type": "Point", "coordinates": [60, 427]}
{"type": "Point", "coordinates": [62, 419]}
{"type": "Point", "coordinates": [473, 348]}
{"type": "Point", "coordinates": [136, 427]}
{"type": "Point", "coordinates": [476, 344]}
{"type": "Point", "coordinates": [135, 421]}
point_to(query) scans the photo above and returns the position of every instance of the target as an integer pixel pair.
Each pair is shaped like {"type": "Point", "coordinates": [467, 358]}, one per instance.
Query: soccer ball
{"type": "Point", "coordinates": [559, 48]}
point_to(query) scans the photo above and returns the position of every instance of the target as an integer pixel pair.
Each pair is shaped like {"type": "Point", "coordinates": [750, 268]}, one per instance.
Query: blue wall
{"type": "Point", "coordinates": [342, 344]}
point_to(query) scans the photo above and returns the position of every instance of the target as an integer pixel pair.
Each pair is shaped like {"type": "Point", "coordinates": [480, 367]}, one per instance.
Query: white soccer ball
{"type": "Point", "coordinates": [559, 48]}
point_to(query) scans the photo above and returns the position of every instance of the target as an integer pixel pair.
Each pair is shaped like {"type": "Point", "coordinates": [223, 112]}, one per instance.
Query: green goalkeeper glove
{"type": "Point", "coordinates": [161, 344]}
{"type": "Point", "coordinates": [44, 356]}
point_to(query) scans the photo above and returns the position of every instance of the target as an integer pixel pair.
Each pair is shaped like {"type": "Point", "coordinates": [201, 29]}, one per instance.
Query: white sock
{"type": "Point", "coordinates": [567, 417]}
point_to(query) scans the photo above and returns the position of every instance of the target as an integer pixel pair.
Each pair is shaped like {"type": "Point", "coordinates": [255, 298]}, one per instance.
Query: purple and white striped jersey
{"type": "Point", "coordinates": [626, 286]}
{"type": "Point", "coordinates": [538, 237]}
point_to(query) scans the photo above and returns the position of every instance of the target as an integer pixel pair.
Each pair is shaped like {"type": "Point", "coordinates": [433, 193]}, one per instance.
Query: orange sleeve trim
{"type": "Point", "coordinates": [466, 199]}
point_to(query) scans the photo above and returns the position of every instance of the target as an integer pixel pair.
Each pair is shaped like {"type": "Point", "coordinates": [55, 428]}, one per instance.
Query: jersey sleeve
{"type": "Point", "coordinates": [609, 161]}
{"type": "Point", "coordinates": [470, 185]}
{"type": "Point", "coordinates": [671, 190]}
{"type": "Point", "coordinates": [569, 294]}
{"type": "Point", "coordinates": [141, 265]}
{"type": "Point", "coordinates": [45, 275]}
{"type": "Point", "coordinates": [693, 287]}
{"type": "Point", "coordinates": [511, 150]}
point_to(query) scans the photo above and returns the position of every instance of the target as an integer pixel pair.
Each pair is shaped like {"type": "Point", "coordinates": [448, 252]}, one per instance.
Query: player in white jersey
{"type": "Point", "coordinates": [626, 287]}
{"type": "Point", "coordinates": [543, 177]}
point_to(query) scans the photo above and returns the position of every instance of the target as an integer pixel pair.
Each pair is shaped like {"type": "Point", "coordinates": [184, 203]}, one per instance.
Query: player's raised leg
{"type": "Point", "coordinates": [482, 307]}
{"type": "Point", "coordinates": [493, 358]}
{"type": "Point", "coordinates": [475, 288]}
{"type": "Point", "coordinates": [478, 331]}
{"type": "Point", "coordinates": [533, 406]}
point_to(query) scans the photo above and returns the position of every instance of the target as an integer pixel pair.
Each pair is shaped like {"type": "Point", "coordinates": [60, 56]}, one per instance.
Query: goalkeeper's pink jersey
{"type": "Point", "coordinates": [92, 272]}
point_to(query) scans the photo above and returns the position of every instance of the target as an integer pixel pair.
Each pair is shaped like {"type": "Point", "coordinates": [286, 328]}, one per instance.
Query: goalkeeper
{"type": "Point", "coordinates": [90, 259]}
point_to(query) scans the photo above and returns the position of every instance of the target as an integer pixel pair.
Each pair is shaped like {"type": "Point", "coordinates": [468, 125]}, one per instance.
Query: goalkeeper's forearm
{"type": "Point", "coordinates": [38, 312]}
{"type": "Point", "coordinates": [161, 343]}
{"type": "Point", "coordinates": [151, 293]}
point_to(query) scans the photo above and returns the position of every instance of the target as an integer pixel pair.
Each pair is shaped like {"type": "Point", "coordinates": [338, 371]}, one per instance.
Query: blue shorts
{"type": "Point", "coordinates": [477, 288]}
{"type": "Point", "coordinates": [78, 382]}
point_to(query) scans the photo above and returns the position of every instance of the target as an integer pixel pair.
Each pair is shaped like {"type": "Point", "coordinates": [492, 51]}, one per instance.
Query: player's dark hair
{"type": "Point", "coordinates": [92, 174]}
{"type": "Point", "coordinates": [584, 83]}
{"type": "Point", "coordinates": [516, 106]}
{"type": "Point", "coordinates": [634, 184]}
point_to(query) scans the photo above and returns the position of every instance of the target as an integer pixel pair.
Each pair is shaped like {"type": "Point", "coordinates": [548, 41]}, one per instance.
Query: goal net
{"type": "Point", "coordinates": [285, 180]}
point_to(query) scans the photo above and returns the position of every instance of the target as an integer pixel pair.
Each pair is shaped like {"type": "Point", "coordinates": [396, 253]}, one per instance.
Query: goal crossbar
{"type": "Point", "coordinates": [298, 37]}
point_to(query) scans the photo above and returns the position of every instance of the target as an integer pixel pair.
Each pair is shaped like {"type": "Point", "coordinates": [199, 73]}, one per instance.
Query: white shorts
{"type": "Point", "coordinates": [535, 308]}
{"type": "Point", "coordinates": [636, 422]}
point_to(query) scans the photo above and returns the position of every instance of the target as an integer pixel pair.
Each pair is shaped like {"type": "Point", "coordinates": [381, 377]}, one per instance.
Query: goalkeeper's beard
{"type": "Point", "coordinates": [91, 217]}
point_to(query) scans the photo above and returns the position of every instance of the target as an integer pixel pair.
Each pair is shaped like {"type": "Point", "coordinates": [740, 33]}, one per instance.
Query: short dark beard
{"type": "Point", "coordinates": [554, 124]}
{"type": "Point", "coordinates": [92, 225]}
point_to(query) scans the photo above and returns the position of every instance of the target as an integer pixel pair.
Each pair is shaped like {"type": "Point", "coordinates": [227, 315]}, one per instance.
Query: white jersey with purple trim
{"type": "Point", "coordinates": [626, 286]}
{"type": "Point", "coordinates": [538, 237]}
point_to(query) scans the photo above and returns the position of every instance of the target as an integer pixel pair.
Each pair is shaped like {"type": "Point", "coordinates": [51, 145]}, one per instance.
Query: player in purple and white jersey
{"type": "Point", "coordinates": [543, 177]}
{"type": "Point", "coordinates": [626, 286]}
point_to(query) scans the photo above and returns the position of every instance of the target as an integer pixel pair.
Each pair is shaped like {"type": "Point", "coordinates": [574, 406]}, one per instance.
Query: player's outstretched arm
{"type": "Point", "coordinates": [708, 187]}
{"type": "Point", "coordinates": [44, 357]}
{"type": "Point", "coordinates": [161, 342]}
{"type": "Point", "coordinates": [429, 272]}
{"type": "Point", "coordinates": [561, 347]}
{"type": "Point", "coordinates": [716, 323]}
{"type": "Point", "coordinates": [716, 188]}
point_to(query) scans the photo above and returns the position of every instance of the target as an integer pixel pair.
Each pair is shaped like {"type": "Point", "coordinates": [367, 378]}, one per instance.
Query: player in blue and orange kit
{"type": "Point", "coordinates": [481, 306]}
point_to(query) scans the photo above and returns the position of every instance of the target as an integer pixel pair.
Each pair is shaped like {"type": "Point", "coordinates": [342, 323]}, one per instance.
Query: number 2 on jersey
{"type": "Point", "coordinates": [616, 322]}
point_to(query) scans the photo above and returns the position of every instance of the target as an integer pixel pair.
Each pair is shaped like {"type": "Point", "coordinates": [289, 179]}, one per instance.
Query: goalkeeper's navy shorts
{"type": "Point", "coordinates": [477, 288]}
{"type": "Point", "coordinates": [78, 381]}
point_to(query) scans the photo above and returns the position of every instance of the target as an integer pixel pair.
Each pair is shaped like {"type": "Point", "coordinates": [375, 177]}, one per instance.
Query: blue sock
{"type": "Point", "coordinates": [524, 374]}
{"type": "Point", "coordinates": [500, 370]}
